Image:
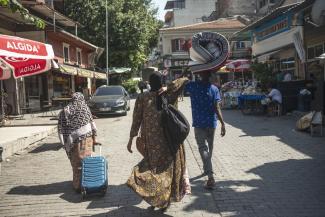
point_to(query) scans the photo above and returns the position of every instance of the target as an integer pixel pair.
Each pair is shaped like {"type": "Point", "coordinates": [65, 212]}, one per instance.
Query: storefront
{"type": "Point", "coordinates": [278, 42]}
{"type": "Point", "coordinates": [36, 92]}
{"type": "Point", "coordinates": [315, 69]}
{"type": "Point", "coordinates": [84, 81]}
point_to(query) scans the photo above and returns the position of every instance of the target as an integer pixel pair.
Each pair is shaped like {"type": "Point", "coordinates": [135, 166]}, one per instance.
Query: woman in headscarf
{"type": "Point", "coordinates": [77, 133]}
{"type": "Point", "coordinates": [160, 177]}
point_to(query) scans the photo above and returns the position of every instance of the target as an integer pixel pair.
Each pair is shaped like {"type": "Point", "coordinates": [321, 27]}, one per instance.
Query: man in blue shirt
{"type": "Point", "coordinates": [205, 101]}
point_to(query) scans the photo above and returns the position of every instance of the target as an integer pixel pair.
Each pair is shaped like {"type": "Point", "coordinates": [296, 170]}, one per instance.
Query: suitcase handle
{"type": "Point", "coordinates": [100, 148]}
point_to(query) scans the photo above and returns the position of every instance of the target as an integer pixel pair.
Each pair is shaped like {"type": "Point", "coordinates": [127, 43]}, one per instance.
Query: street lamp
{"type": "Point", "coordinates": [107, 78]}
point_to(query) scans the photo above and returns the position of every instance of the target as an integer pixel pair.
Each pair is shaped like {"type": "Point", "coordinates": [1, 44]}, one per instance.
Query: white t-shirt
{"type": "Point", "coordinates": [287, 77]}
{"type": "Point", "coordinates": [275, 95]}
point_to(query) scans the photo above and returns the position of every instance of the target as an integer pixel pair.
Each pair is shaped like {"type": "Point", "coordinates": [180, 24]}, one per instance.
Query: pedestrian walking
{"type": "Point", "coordinates": [207, 56]}
{"type": "Point", "coordinates": [77, 133]}
{"type": "Point", "coordinates": [206, 110]}
{"type": "Point", "coordinates": [160, 177]}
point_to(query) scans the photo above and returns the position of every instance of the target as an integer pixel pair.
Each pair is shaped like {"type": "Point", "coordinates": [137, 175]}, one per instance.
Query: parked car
{"type": "Point", "coordinates": [110, 100]}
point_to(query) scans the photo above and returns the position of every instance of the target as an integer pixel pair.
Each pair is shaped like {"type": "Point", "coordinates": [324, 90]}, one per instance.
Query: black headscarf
{"type": "Point", "coordinates": [155, 81]}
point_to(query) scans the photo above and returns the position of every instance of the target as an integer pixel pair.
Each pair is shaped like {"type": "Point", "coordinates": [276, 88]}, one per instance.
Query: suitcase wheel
{"type": "Point", "coordinates": [83, 194]}
{"type": "Point", "coordinates": [104, 192]}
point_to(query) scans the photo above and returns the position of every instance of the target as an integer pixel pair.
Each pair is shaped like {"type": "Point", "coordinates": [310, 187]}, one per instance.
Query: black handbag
{"type": "Point", "coordinates": [175, 125]}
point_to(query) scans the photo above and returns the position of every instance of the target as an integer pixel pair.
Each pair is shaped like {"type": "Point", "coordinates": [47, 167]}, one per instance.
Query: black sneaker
{"type": "Point", "coordinates": [210, 184]}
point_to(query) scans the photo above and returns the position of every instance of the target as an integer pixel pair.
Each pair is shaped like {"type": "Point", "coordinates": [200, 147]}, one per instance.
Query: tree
{"type": "Point", "coordinates": [15, 6]}
{"type": "Point", "coordinates": [263, 73]}
{"type": "Point", "coordinates": [132, 28]}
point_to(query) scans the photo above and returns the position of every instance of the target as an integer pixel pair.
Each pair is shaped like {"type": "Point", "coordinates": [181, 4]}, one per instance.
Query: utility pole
{"type": "Point", "coordinates": [107, 77]}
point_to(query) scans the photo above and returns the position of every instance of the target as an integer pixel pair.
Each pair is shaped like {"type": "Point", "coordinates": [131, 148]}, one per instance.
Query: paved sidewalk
{"type": "Point", "coordinates": [20, 133]}
{"type": "Point", "coordinates": [266, 168]}
{"type": "Point", "coordinates": [37, 182]}
{"type": "Point", "coordinates": [263, 168]}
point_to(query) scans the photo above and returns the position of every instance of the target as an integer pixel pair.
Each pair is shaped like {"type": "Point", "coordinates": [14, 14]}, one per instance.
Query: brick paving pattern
{"type": "Point", "coordinates": [263, 168]}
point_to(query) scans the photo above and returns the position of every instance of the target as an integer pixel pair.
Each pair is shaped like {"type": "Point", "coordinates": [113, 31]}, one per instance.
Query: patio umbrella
{"type": "Point", "coordinates": [23, 57]}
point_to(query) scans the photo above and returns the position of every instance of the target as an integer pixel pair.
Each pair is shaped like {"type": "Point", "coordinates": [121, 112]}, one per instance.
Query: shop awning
{"type": "Point", "coordinates": [121, 70]}
{"type": "Point", "coordinates": [23, 57]}
{"type": "Point", "coordinates": [70, 70]}
{"type": "Point", "coordinates": [85, 73]}
{"type": "Point", "coordinates": [100, 76]}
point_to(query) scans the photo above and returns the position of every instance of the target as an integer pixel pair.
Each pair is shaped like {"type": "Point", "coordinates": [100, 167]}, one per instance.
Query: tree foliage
{"type": "Point", "coordinates": [263, 73]}
{"type": "Point", "coordinates": [132, 28]}
{"type": "Point", "coordinates": [15, 6]}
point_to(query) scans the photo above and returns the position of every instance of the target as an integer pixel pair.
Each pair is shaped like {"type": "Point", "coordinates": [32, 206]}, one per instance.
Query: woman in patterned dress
{"type": "Point", "coordinates": [160, 177]}
{"type": "Point", "coordinates": [77, 133]}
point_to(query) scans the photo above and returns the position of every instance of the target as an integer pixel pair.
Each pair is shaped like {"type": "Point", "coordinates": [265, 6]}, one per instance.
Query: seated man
{"type": "Point", "coordinates": [275, 96]}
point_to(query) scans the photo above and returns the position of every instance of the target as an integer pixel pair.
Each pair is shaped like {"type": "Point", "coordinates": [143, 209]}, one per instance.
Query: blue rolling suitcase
{"type": "Point", "coordinates": [94, 175]}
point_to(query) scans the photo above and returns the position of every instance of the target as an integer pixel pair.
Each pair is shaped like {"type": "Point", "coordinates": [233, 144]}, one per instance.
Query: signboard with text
{"type": "Point", "coordinates": [273, 27]}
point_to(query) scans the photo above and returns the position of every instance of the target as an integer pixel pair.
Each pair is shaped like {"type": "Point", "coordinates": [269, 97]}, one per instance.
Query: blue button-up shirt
{"type": "Point", "coordinates": [204, 97]}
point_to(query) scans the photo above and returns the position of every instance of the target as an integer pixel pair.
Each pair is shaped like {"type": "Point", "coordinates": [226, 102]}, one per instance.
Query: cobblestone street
{"type": "Point", "coordinates": [263, 168]}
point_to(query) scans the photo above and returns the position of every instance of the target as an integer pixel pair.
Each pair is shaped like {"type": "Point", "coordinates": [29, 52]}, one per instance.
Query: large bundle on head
{"type": "Point", "coordinates": [209, 51]}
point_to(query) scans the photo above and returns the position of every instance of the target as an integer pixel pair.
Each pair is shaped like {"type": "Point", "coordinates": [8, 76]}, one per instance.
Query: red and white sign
{"type": "Point", "coordinates": [239, 65]}
{"type": "Point", "coordinates": [22, 57]}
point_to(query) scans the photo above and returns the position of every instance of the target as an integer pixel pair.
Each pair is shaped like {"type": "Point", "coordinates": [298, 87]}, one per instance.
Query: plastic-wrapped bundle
{"type": "Point", "coordinates": [209, 51]}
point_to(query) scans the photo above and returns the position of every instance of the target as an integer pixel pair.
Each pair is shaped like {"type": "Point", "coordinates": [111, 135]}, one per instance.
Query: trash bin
{"type": "Point", "coordinates": [304, 101]}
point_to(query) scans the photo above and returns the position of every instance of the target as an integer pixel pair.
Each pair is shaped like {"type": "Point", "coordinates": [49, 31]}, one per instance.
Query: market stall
{"type": "Point", "coordinates": [252, 101]}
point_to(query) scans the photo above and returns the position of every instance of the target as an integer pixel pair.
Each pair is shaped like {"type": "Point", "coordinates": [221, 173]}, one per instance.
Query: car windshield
{"type": "Point", "coordinates": [109, 91]}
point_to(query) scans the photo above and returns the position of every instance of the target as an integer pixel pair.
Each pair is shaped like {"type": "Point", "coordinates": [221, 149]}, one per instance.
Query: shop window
{"type": "Point", "coordinates": [66, 52]}
{"type": "Point", "coordinates": [178, 45]}
{"type": "Point", "coordinates": [288, 63]}
{"type": "Point", "coordinates": [79, 57]}
{"type": "Point", "coordinates": [318, 50]}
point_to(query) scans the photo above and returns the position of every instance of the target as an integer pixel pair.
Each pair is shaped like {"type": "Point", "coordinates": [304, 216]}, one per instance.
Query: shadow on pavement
{"type": "Point", "coordinates": [47, 189]}
{"type": "Point", "coordinates": [288, 188]}
{"type": "Point", "coordinates": [47, 147]}
{"type": "Point", "coordinates": [281, 127]}
{"type": "Point", "coordinates": [116, 196]}
{"type": "Point", "coordinates": [201, 198]}
{"type": "Point", "coordinates": [131, 211]}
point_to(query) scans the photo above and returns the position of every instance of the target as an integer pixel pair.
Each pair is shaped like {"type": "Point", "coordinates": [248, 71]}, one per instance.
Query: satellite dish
{"type": "Point", "coordinates": [318, 12]}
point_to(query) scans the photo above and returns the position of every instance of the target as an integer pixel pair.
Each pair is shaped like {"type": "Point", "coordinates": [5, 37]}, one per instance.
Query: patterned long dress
{"type": "Point", "coordinates": [158, 178]}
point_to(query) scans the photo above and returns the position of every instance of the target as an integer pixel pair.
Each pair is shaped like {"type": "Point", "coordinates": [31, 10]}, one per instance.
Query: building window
{"type": "Point", "coordinates": [179, 4]}
{"type": "Point", "coordinates": [240, 45]}
{"type": "Point", "coordinates": [66, 52]}
{"type": "Point", "coordinates": [272, 1]}
{"type": "Point", "coordinates": [79, 57]}
{"type": "Point", "coordinates": [178, 45]}
{"type": "Point", "coordinates": [287, 64]}
{"type": "Point", "coordinates": [315, 51]}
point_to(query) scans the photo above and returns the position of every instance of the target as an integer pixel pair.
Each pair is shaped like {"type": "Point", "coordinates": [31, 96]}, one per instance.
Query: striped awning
{"type": "Point", "coordinates": [69, 70]}
{"type": "Point", "coordinates": [100, 76]}
{"type": "Point", "coordinates": [85, 73]}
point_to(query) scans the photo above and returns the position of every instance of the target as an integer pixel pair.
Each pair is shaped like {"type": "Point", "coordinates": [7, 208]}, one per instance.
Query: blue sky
{"type": "Point", "coordinates": [160, 4]}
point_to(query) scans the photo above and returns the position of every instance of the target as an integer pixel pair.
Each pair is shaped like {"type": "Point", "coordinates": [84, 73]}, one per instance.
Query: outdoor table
{"type": "Point", "coordinates": [251, 104]}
